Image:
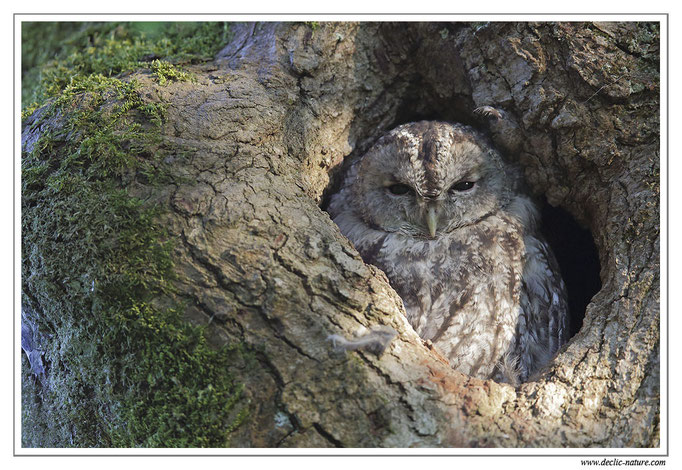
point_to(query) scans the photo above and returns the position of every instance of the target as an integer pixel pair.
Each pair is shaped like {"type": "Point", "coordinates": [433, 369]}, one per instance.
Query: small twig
{"type": "Point", "coordinates": [601, 88]}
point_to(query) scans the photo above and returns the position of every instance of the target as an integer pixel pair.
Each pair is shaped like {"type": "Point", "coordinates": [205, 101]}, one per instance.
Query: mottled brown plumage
{"type": "Point", "coordinates": [436, 207]}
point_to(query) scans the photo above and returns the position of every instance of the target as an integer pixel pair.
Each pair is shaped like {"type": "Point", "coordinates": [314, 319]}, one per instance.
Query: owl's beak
{"type": "Point", "coordinates": [432, 221]}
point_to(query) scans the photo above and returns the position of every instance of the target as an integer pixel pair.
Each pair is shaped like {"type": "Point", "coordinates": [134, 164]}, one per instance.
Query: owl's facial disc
{"type": "Point", "coordinates": [427, 205]}
{"type": "Point", "coordinates": [427, 181]}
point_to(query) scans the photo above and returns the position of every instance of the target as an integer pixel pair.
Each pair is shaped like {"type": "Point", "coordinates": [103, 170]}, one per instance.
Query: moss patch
{"type": "Point", "coordinates": [165, 72]}
{"type": "Point", "coordinates": [53, 53]}
{"type": "Point", "coordinates": [124, 369]}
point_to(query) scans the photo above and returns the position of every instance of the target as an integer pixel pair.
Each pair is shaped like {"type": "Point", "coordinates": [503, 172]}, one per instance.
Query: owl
{"type": "Point", "coordinates": [443, 215]}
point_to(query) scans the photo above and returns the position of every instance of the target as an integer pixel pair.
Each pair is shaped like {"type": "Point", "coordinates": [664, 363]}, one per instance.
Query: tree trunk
{"type": "Point", "coordinates": [268, 127]}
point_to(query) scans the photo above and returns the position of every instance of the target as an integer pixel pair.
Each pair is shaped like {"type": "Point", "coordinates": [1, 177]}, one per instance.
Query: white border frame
{"type": "Point", "coordinates": [663, 451]}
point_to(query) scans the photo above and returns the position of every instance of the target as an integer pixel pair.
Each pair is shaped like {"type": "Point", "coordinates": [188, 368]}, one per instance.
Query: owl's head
{"type": "Point", "coordinates": [428, 178]}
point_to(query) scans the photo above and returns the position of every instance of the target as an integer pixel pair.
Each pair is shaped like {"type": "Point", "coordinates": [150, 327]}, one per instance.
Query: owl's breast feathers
{"type": "Point", "coordinates": [485, 295]}
{"type": "Point", "coordinates": [462, 290]}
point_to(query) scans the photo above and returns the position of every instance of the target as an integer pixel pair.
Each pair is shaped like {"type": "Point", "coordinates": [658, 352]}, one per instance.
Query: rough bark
{"type": "Point", "coordinates": [260, 140]}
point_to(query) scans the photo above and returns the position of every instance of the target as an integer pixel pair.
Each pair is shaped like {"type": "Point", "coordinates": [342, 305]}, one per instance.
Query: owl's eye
{"type": "Point", "coordinates": [399, 189]}
{"type": "Point", "coordinates": [462, 186]}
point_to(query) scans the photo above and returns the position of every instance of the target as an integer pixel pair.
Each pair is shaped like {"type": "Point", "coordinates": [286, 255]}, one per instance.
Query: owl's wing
{"type": "Point", "coordinates": [343, 211]}
{"type": "Point", "coordinates": [544, 307]}
{"type": "Point", "coordinates": [342, 200]}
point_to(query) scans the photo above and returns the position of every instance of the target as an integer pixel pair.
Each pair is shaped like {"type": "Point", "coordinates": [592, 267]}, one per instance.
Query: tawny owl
{"type": "Point", "coordinates": [436, 207]}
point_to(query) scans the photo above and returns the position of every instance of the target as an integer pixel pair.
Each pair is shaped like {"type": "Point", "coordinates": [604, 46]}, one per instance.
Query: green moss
{"type": "Point", "coordinates": [54, 53]}
{"type": "Point", "coordinates": [314, 25]}
{"type": "Point", "coordinates": [165, 72]}
{"type": "Point", "coordinates": [123, 370]}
